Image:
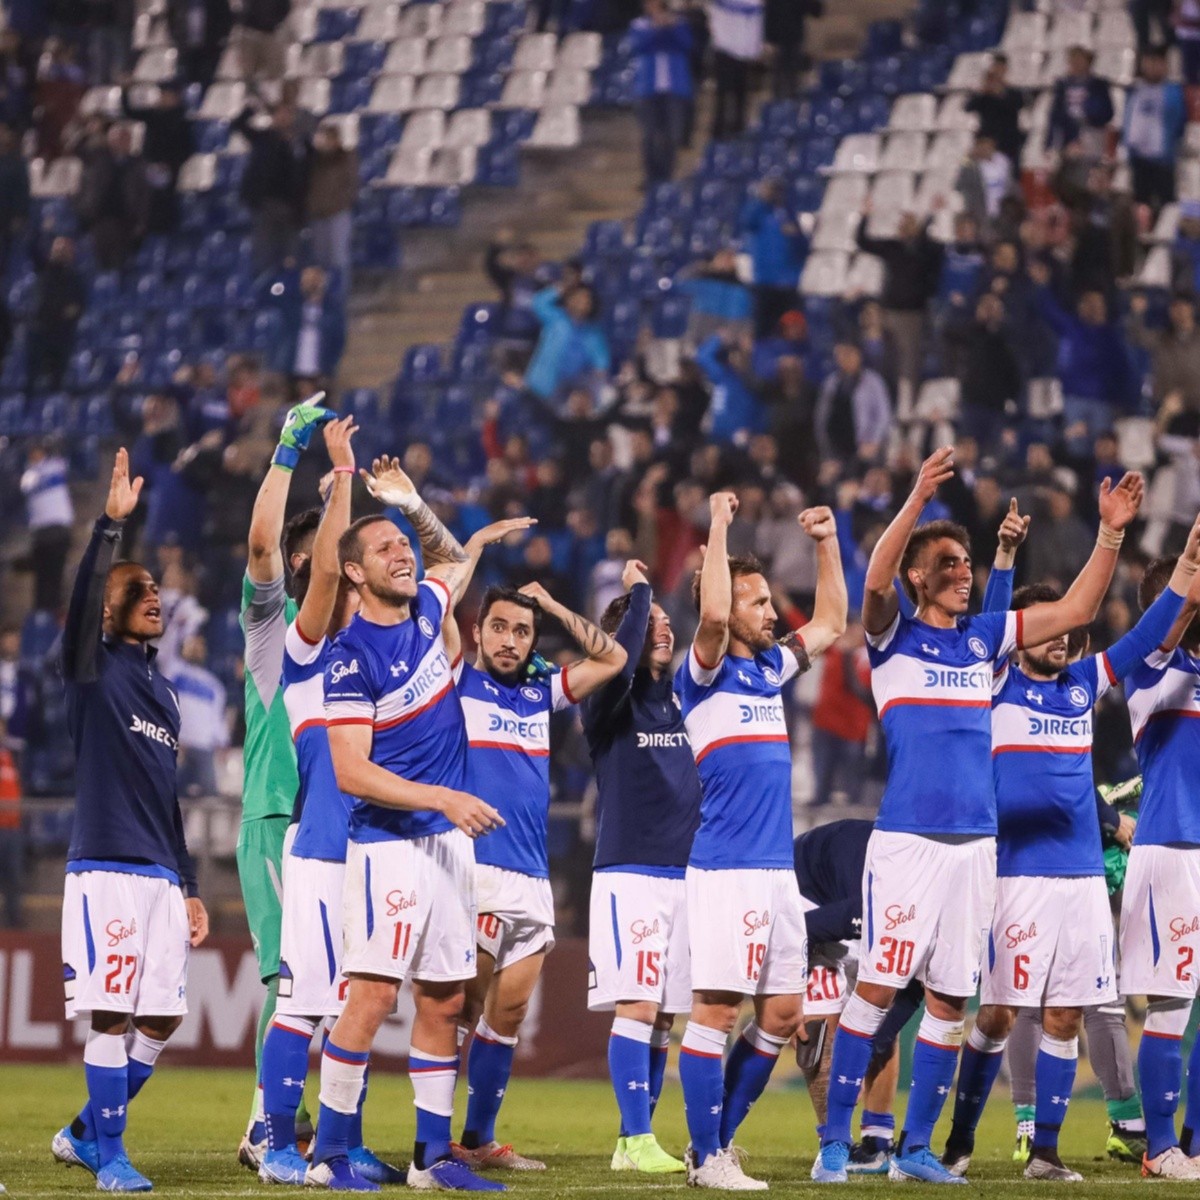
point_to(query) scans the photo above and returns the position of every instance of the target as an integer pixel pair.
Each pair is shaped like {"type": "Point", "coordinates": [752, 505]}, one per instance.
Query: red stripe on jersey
{"type": "Point", "coordinates": [566, 687]}
{"type": "Point", "coordinates": [934, 703]}
{"type": "Point", "coordinates": [1162, 714]}
{"type": "Point", "coordinates": [304, 636]}
{"type": "Point", "coordinates": [444, 586]}
{"type": "Point", "coordinates": [703, 665]}
{"type": "Point", "coordinates": [1040, 749]}
{"type": "Point", "coordinates": [1020, 629]}
{"type": "Point", "coordinates": [416, 712]}
{"type": "Point", "coordinates": [508, 746]}
{"type": "Point", "coordinates": [316, 722]}
{"type": "Point", "coordinates": [348, 721]}
{"type": "Point", "coordinates": [730, 741]}
{"type": "Point", "coordinates": [1108, 670]}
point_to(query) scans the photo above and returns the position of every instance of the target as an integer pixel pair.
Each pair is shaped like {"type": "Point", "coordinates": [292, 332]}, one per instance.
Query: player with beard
{"type": "Point", "coordinates": [1051, 942]}
{"type": "Point", "coordinates": [647, 813]}
{"type": "Point", "coordinates": [930, 880]}
{"type": "Point", "coordinates": [745, 918]}
{"type": "Point", "coordinates": [126, 924]}
{"type": "Point", "coordinates": [507, 704]}
{"type": "Point", "coordinates": [399, 747]}
{"type": "Point", "coordinates": [1160, 929]}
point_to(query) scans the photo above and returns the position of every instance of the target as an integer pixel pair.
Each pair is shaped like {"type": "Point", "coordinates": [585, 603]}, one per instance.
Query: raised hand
{"type": "Point", "coordinates": [388, 482]}
{"type": "Point", "coordinates": [935, 470]}
{"type": "Point", "coordinates": [535, 591]}
{"type": "Point", "coordinates": [497, 531]}
{"type": "Point", "coordinates": [818, 523]}
{"type": "Point", "coordinates": [721, 508]}
{"type": "Point", "coordinates": [1014, 528]}
{"type": "Point", "coordinates": [122, 494]}
{"type": "Point", "coordinates": [635, 572]}
{"type": "Point", "coordinates": [1191, 551]}
{"type": "Point", "coordinates": [1119, 505]}
{"type": "Point", "coordinates": [337, 441]}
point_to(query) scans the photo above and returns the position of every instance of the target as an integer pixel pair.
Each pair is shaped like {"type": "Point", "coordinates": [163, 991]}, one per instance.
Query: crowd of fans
{"type": "Point", "coordinates": [787, 401]}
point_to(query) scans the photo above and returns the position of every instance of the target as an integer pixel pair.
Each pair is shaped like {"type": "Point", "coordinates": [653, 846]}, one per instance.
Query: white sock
{"type": "Point", "coordinates": [141, 1048]}
{"type": "Point", "coordinates": [635, 1031]}
{"type": "Point", "coordinates": [105, 1050]}
{"type": "Point", "coordinates": [433, 1084]}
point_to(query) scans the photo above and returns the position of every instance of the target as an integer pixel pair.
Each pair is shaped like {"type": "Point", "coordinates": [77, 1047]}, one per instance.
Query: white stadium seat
{"type": "Point", "coordinates": [865, 277]}
{"type": "Point", "coordinates": [953, 113]}
{"type": "Point", "coordinates": [967, 73]}
{"type": "Point", "coordinates": [223, 101]}
{"type": "Point", "coordinates": [437, 91]}
{"type": "Point", "coordinates": [453, 166]}
{"type": "Point", "coordinates": [857, 153]}
{"type": "Point", "coordinates": [536, 52]}
{"type": "Point", "coordinates": [581, 50]}
{"type": "Point", "coordinates": [903, 152]}
{"type": "Point", "coordinates": [424, 130]}
{"type": "Point", "coordinates": [406, 57]}
{"type": "Point", "coordinates": [378, 24]}
{"type": "Point", "coordinates": [449, 54]}
{"type": "Point", "coordinates": [949, 149]}
{"type": "Point", "coordinates": [347, 126]}
{"type": "Point", "coordinates": [421, 20]}
{"type": "Point", "coordinates": [320, 60]}
{"type": "Point", "coordinates": [313, 95]}
{"type": "Point", "coordinates": [835, 231]}
{"type": "Point", "coordinates": [1025, 68]}
{"type": "Point", "coordinates": [523, 89]}
{"type": "Point", "coordinates": [198, 173]}
{"type": "Point", "coordinates": [844, 192]}
{"type": "Point", "coordinates": [156, 65]}
{"type": "Point", "coordinates": [392, 94]}
{"type": "Point", "coordinates": [469, 127]}
{"type": "Point", "coordinates": [825, 274]}
{"type": "Point", "coordinates": [1156, 270]}
{"type": "Point", "coordinates": [569, 86]}
{"type": "Point", "coordinates": [917, 112]}
{"type": "Point", "coordinates": [1024, 31]}
{"type": "Point", "coordinates": [408, 168]}
{"type": "Point", "coordinates": [464, 17]}
{"type": "Point", "coordinates": [1071, 28]}
{"type": "Point", "coordinates": [557, 126]}
{"type": "Point", "coordinates": [57, 179]}
{"type": "Point", "coordinates": [893, 193]}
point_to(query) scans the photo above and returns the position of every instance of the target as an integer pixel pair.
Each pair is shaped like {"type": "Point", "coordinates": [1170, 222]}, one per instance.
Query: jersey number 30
{"type": "Point", "coordinates": [897, 956]}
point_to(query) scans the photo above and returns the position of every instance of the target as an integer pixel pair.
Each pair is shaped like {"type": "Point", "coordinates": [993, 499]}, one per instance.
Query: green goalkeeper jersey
{"type": "Point", "coordinates": [270, 781]}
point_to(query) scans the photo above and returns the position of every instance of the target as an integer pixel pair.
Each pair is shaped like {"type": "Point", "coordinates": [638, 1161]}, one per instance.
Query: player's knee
{"type": "Point", "coordinates": [159, 1028]}
{"type": "Point", "coordinates": [996, 1021]}
{"type": "Point", "coordinates": [444, 1005]}
{"type": "Point", "coordinates": [1062, 1023]}
{"type": "Point", "coordinates": [644, 1011]}
{"type": "Point", "coordinates": [781, 1019]}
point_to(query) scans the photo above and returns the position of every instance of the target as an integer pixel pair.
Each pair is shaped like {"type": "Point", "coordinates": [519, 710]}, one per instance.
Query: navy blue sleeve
{"type": "Point", "coordinates": [1108, 817]}
{"type": "Point", "coordinates": [85, 615]}
{"type": "Point", "coordinates": [185, 867]}
{"type": "Point", "coordinates": [1145, 637]}
{"type": "Point", "coordinates": [908, 609]}
{"type": "Point", "coordinates": [997, 596]}
{"type": "Point", "coordinates": [631, 637]}
{"type": "Point", "coordinates": [839, 921]}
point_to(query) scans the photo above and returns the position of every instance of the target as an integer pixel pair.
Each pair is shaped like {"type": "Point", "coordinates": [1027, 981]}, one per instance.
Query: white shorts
{"type": "Point", "coordinates": [1051, 943]}
{"type": "Point", "coordinates": [746, 932]}
{"type": "Point", "coordinates": [125, 945]}
{"type": "Point", "coordinates": [1160, 922]}
{"type": "Point", "coordinates": [409, 908]}
{"type": "Point", "coordinates": [828, 981]}
{"type": "Point", "coordinates": [638, 942]}
{"type": "Point", "coordinates": [516, 914]}
{"type": "Point", "coordinates": [311, 983]}
{"type": "Point", "coordinates": [927, 910]}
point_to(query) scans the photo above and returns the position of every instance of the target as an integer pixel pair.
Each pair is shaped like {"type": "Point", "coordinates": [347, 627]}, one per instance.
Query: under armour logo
{"type": "Point", "coordinates": [398, 669]}
{"type": "Point", "coordinates": [943, 1090]}
{"type": "Point", "coordinates": [500, 1093]}
{"type": "Point", "coordinates": [634, 1086]}
{"type": "Point", "coordinates": [744, 678]}
{"type": "Point", "coordinates": [1101, 982]}
{"type": "Point", "coordinates": [715, 1110]}
{"type": "Point", "coordinates": [844, 1079]}
{"type": "Point", "coordinates": [470, 956]}
{"type": "Point", "coordinates": [1034, 697]}
{"type": "Point", "coordinates": [1060, 1100]}
{"type": "Point", "coordinates": [107, 1113]}
{"type": "Point", "coordinates": [292, 1082]}
{"type": "Point", "coordinates": [1171, 1097]}
{"type": "Point", "coordinates": [488, 686]}
{"type": "Point", "coordinates": [931, 650]}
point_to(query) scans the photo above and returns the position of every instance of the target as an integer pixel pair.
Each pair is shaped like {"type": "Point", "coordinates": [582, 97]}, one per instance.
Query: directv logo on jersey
{"type": "Point", "coordinates": [525, 729]}
{"type": "Point", "coordinates": [156, 733]}
{"type": "Point", "coordinates": [760, 712]}
{"type": "Point", "coordinates": [661, 741]}
{"type": "Point", "coordinates": [949, 677]}
{"type": "Point", "coordinates": [420, 684]}
{"type": "Point", "coordinates": [1060, 726]}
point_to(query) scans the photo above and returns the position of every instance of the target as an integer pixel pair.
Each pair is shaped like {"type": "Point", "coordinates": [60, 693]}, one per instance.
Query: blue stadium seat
{"type": "Point", "coordinates": [362, 404]}
{"type": "Point", "coordinates": [408, 206]}
{"type": "Point", "coordinates": [498, 165]}
{"type": "Point", "coordinates": [362, 59]}
{"type": "Point", "coordinates": [478, 323]}
{"type": "Point", "coordinates": [604, 238]}
{"type": "Point", "coordinates": [12, 416]}
{"type": "Point", "coordinates": [473, 361]}
{"type": "Point", "coordinates": [670, 315]}
{"type": "Point", "coordinates": [422, 364]}
{"type": "Point", "coordinates": [334, 24]}
{"type": "Point", "coordinates": [480, 88]}
{"type": "Point", "coordinates": [445, 207]}
{"type": "Point", "coordinates": [39, 632]}
{"type": "Point", "coordinates": [210, 137]}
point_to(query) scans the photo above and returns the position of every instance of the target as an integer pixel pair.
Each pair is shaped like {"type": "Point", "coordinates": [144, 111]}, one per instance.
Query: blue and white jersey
{"type": "Point", "coordinates": [733, 714]}
{"type": "Point", "coordinates": [508, 763]}
{"type": "Point", "coordinates": [1042, 765]}
{"type": "Point", "coordinates": [322, 810]}
{"type": "Point", "coordinates": [1163, 695]}
{"type": "Point", "coordinates": [397, 680]}
{"type": "Point", "coordinates": [933, 693]}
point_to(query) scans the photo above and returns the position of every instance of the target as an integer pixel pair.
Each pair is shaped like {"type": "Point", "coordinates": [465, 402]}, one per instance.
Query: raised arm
{"type": "Point", "coordinates": [357, 775]}
{"type": "Point", "coordinates": [830, 605]}
{"type": "Point", "coordinates": [879, 596]}
{"type": "Point", "coordinates": [997, 596]}
{"type": "Point", "coordinates": [444, 558]}
{"type": "Point", "coordinates": [631, 633]}
{"type": "Point", "coordinates": [716, 584]}
{"type": "Point", "coordinates": [265, 559]}
{"type": "Point", "coordinates": [604, 657]}
{"type": "Point", "coordinates": [317, 610]}
{"type": "Point", "coordinates": [85, 615]}
{"type": "Point", "coordinates": [1118, 507]}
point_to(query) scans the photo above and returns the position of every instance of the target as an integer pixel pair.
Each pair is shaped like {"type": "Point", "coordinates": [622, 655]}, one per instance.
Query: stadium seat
{"type": "Point", "coordinates": [198, 173]}
{"type": "Point", "coordinates": [449, 54]}
{"type": "Point", "coordinates": [949, 149]}
{"type": "Point", "coordinates": [568, 86]}
{"type": "Point", "coordinates": [953, 113]}
{"type": "Point", "coordinates": [825, 274]}
{"type": "Point", "coordinates": [469, 127]}
{"type": "Point", "coordinates": [464, 18]}
{"type": "Point", "coordinates": [59, 178]}
{"type": "Point", "coordinates": [967, 73]}
{"type": "Point", "coordinates": [452, 166]}
{"type": "Point", "coordinates": [392, 94]}
{"type": "Point", "coordinates": [424, 130]}
{"type": "Point", "coordinates": [916, 112]}
{"type": "Point", "coordinates": [422, 364]}
{"type": "Point", "coordinates": [156, 65]}
{"type": "Point", "coordinates": [557, 127]}
{"type": "Point", "coordinates": [437, 91]}
{"type": "Point", "coordinates": [523, 89]}
{"type": "Point", "coordinates": [903, 152]}
{"type": "Point", "coordinates": [536, 52]}
{"type": "Point", "coordinates": [223, 101]}
{"type": "Point", "coordinates": [379, 23]}
{"type": "Point", "coordinates": [857, 154]}
{"type": "Point", "coordinates": [406, 57]}
{"type": "Point", "coordinates": [1025, 31]}
{"type": "Point", "coordinates": [420, 20]}
{"type": "Point", "coordinates": [1070, 27]}
{"type": "Point", "coordinates": [582, 51]}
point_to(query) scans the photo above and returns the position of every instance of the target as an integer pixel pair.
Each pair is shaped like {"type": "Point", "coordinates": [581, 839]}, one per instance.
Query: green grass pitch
{"type": "Point", "coordinates": [184, 1131]}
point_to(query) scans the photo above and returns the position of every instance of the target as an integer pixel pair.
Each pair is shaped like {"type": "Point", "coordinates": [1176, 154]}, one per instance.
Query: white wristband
{"type": "Point", "coordinates": [409, 502]}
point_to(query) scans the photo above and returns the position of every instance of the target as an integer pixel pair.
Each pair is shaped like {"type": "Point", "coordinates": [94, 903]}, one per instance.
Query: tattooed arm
{"type": "Point", "coordinates": [604, 656]}
{"type": "Point", "coordinates": [444, 558]}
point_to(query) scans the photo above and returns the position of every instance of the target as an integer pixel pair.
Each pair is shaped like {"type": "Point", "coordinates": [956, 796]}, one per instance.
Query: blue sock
{"type": "Point", "coordinates": [355, 1134]}
{"type": "Point", "coordinates": [489, 1068]}
{"type": "Point", "coordinates": [342, 1074]}
{"type": "Point", "coordinates": [1055, 1075]}
{"type": "Point", "coordinates": [878, 1129]}
{"type": "Point", "coordinates": [1160, 1068]}
{"type": "Point", "coordinates": [848, 1069]}
{"type": "Point", "coordinates": [1191, 1115]}
{"type": "Point", "coordinates": [433, 1077]}
{"type": "Point", "coordinates": [106, 1069]}
{"type": "Point", "coordinates": [703, 1087]}
{"type": "Point", "coordinates": [747, 1070]}
{"type": "Point", "coordinates": [934, 1059]}
{"type": "Point", "coordinates": [629, 1059]}
{"type": "Point", "coordinates": [142, 1053]}
{"type": "Point", "coordinates": [981, 1060]}
{"type": "Point", "coordinates": [660, 1044]}
{"type": "Point", "coordinates": [284, 1070]}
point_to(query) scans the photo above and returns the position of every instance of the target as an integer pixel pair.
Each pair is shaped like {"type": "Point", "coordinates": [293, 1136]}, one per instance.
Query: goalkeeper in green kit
{"type": "Point", "coordinates": [270, 783]}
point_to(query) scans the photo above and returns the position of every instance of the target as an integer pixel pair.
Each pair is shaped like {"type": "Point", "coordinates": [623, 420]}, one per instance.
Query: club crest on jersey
{"type": "Point", "coordinates": [531, 693]}
{"type": "Point", "coordinates": [425, 625]}
{"type": "Point", "coordinates": [339, 671]}
{"type": "Point", "coordinates": [895, 915]}
{"type": "Point", "coordinates": [977, 647]}
{"type": "Point", "coordinates": [771, 676]}
{"type": "Point", "coordinates": [1079, 697]}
